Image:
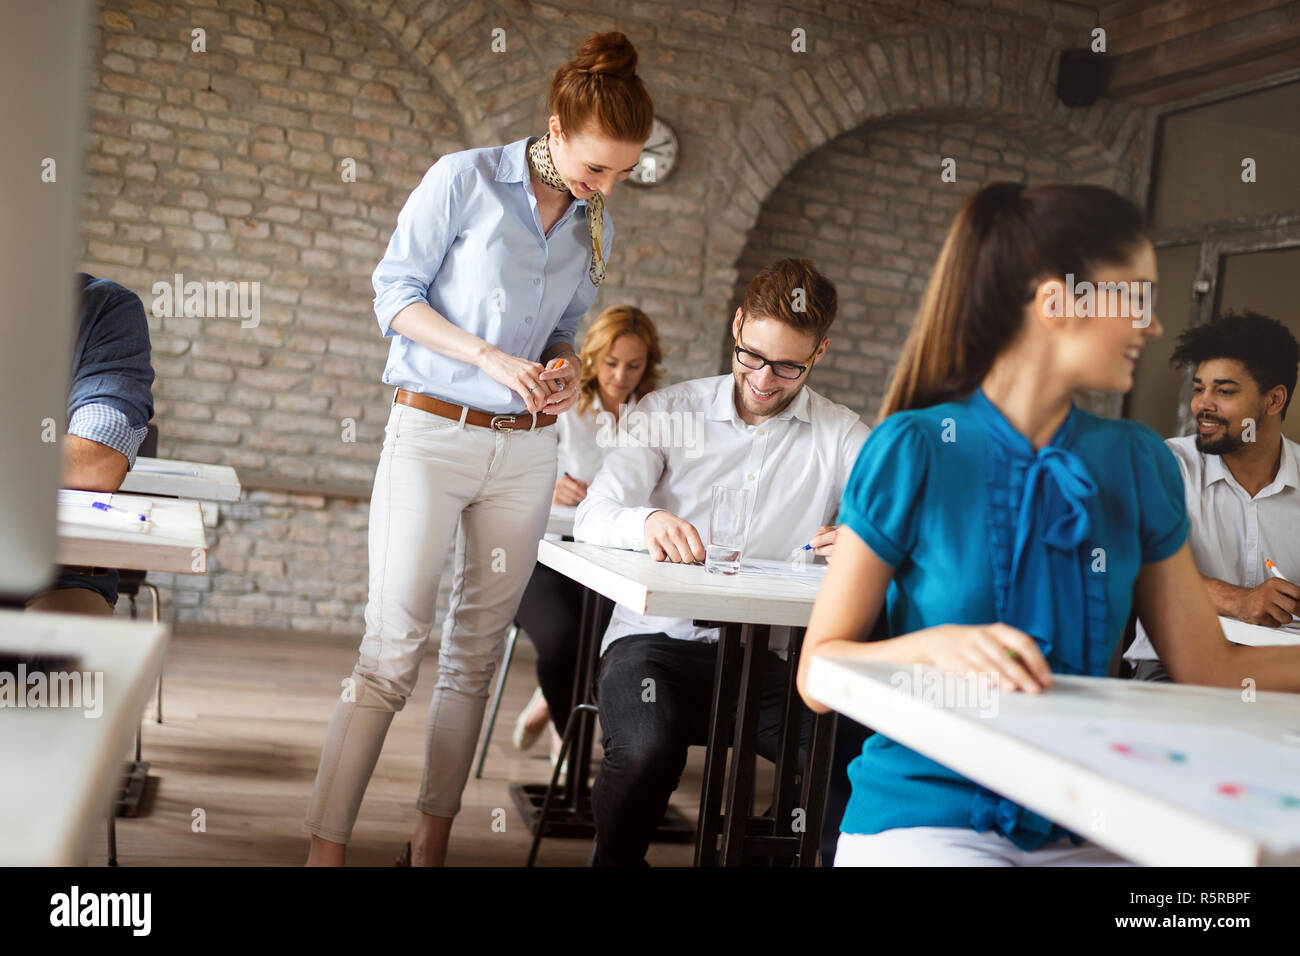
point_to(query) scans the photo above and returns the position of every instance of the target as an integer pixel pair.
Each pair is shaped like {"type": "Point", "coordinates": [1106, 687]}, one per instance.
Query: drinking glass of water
{"type": "Point", "coordinates": [728, 523]}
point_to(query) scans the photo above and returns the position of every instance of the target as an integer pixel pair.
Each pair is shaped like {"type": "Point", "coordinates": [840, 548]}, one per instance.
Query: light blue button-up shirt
{"type": "Point", "coordinates": [469, 242]}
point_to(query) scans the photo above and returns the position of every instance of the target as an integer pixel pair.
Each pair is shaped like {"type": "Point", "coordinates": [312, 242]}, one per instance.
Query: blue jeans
{"type": "Point", "coordinates": [646, 735]}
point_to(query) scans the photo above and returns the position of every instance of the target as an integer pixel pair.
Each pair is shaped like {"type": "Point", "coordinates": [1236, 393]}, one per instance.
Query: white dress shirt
{"type": "Point", "coordinates": [1232, 534]}
{"type": "Point", "coordinates": [796, 464]}
{"type": "Point", "coordinates": [582, 447]}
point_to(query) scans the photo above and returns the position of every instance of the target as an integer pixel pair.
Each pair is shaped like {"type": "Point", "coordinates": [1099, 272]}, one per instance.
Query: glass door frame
{"type": "Point", "coordinates": [1217, 239]}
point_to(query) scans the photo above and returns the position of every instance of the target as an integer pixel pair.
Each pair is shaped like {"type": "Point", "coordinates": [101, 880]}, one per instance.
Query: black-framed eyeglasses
{"type": "Point", "coordinates": [752, 360]}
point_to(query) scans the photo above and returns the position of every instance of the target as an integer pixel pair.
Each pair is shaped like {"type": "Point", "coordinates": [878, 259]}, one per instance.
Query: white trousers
{"type": "Point", "coordinates": [961, 846]}
{"type": "Point", "coordinates": [440, 488]}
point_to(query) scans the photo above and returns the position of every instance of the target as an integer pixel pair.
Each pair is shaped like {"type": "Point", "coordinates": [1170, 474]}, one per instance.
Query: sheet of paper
{"type": "Point", "coordinates": [1243, 779]}
{"type": "Point", "coordinates": [75, 508]}
{"type": "Point", "coordinates": [806, 572]}
{"type": "Point", "coordinates": [1239, 632]}
{"type": "Point", "coordinates": [69, 498]}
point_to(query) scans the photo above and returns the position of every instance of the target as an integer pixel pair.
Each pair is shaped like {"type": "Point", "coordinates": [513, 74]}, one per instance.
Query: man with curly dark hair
{"type": "Point", "coordinates": [1240, 473]}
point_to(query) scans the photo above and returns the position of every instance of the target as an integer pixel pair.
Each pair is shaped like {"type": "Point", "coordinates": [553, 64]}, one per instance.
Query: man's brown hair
{"type": "Point", "coordinates": [794, 293]}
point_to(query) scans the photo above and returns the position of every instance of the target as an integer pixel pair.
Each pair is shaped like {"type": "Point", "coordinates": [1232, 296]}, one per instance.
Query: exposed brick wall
{"type": "Point", "coordinates": [225, 166]}
{"type": "Point", "coordinates": [871, 210]}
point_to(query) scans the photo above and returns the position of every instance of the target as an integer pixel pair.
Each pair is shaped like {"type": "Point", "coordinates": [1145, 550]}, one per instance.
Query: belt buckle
{"type": "Point", "coordinates": [508, 419]}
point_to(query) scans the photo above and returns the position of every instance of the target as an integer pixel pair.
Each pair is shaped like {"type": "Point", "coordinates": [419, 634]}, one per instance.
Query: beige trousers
{"type": "Point", "coordinates": [440, 488]}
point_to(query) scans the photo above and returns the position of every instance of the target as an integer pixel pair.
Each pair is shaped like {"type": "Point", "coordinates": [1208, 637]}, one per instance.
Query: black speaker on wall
{"type": "Point", "coordinates": [1081, 77]}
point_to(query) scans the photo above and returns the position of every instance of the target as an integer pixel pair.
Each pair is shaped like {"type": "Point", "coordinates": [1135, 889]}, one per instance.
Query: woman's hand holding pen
{"type": "Point", "coordinates": [989, 648]}
{"type": "Point", "coordinates": [561, 376]}
{"type": "Point", "coordinates": [521, 376]}
{"type": "Point", "coordinates": [569, 490]}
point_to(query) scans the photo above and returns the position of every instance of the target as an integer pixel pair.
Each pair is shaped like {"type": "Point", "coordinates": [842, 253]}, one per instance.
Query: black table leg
{"type": "Point", "coordinates": [740, 786]}
{"type": "Point", "coordinates": [784, 807]}
{"type": "Point", "coordinates": [567, 812]}
{"type": "Point", "coordinates": [576, 786]}
{"type": "Point", "coordinates": [706, 835]}
{"type": "Point", "coordinates": [816, 784]}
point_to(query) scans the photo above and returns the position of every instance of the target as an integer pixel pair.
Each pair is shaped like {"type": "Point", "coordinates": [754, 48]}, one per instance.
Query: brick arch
{"type": "Point", "coordinates": [451, 40]}
{"type": "Point", "coordinates": [878, 240]}
{"type": "Point", "coordinates": [934, 73]}
{"type": "Point", "coordinates": [415, 34]}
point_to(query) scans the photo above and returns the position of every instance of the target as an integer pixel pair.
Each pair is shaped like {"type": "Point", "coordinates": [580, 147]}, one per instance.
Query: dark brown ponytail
{"type": "Point", "coordinates": [1005, 239]}
{"type": "Point", "coordinates": [599, 87]}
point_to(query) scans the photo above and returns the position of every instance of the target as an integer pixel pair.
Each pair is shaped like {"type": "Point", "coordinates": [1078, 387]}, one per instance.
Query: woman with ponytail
{"type": "Point", "coordinates": [497, 255]}
{"type": "Point", "coordinates": [1010, 530]}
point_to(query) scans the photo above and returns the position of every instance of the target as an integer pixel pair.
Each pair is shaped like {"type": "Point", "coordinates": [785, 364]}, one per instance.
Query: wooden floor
{"type": "Point", "coordinates": [245, 717]}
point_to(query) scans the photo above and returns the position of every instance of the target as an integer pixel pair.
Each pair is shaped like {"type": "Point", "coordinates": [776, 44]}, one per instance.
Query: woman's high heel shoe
{"type": "Point", "coordinates": [523, 738]}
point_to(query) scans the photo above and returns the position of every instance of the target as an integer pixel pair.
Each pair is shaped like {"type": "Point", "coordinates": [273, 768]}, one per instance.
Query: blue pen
{"type": "Point", "coordinates": [103, 506]}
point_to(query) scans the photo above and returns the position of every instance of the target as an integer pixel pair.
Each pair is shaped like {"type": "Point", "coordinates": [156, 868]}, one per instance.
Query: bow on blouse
{"type": "Point", "coordinates": [1025, 829]}
{"type": "Point", "coordinates": [1046, 596]}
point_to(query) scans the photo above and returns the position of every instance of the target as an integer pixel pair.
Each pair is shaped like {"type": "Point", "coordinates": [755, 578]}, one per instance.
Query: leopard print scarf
{"type": "Point", "coordinates": [539, 157]}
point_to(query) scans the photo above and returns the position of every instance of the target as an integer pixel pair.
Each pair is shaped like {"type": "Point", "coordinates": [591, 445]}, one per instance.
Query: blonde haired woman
{"type": "Point", "coordinates": [497, 255]}
{"type": "Point", "coordinates": [620, 364]}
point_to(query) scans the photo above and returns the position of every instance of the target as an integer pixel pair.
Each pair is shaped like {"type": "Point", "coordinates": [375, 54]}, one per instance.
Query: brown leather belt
{"type": "Point", "coordinates": [473, 416]}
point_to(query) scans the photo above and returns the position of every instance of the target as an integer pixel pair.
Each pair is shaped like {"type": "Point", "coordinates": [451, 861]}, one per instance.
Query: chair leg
{"type": "Point", "coordinates": [570, 742]}
{"type": "Point", "coordinates": [512, 635]}
{"type": "Point", "coordinates": [112, 832]}
{"type": "Point", "coordinates": [154, 591]}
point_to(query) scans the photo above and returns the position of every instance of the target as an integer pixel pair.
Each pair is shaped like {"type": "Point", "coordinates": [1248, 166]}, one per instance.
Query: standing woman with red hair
{"type": "Point", "coordinates": [497, 255]}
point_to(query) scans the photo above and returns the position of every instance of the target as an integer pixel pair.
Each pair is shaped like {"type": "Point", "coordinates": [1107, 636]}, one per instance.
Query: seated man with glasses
{"type": "Point", "coordinates": [762, 430]}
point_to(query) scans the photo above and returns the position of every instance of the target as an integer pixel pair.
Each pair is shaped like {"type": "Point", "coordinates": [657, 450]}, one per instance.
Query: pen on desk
{"type": "Point", "coordinates": [104, 506]}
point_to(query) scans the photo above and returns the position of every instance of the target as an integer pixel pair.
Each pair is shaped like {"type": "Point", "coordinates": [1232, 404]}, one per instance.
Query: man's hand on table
{"type": "Point", "coordinates": [670, 538]}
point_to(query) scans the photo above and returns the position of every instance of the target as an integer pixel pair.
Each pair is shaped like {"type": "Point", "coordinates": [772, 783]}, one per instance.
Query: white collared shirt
{"type": "Point", "coordinates": [581, 451]}
{"type": "Point", "coordinates": [796, 463]}
{"type": "Point", "coordinates": [1232, 534]}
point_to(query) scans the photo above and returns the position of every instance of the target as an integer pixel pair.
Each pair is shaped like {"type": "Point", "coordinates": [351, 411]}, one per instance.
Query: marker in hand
{"type": "Point", "coordinates": [559, 383]}
{"type": "Point", "coordinates": [1277, 573]}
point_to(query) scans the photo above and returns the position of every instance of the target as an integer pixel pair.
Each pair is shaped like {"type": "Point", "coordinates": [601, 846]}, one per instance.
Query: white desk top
{"type": "Point", "coordinates": [1163, 774]}
{"type": "Point", "coordinates": [181, 479]}
{"type": "Point", "coordinates": [175, 542]}
{"type": "Point", "coordinates": [62, 767]}
{"type": "Point", "coordinates": [561, 519]}
{"type": "Point", "coordinates": [635, 580]}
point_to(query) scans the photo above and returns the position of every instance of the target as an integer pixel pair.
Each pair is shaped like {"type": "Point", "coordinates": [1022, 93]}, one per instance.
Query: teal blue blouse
{"type": "Point", "coordinates": [979, 528]}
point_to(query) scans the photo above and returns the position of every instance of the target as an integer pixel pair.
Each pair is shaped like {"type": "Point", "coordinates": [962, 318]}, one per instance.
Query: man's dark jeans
{"type": "Point", "coordinates": [647, 728]}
